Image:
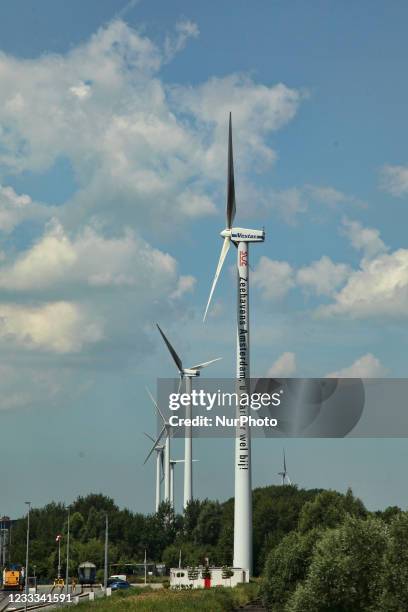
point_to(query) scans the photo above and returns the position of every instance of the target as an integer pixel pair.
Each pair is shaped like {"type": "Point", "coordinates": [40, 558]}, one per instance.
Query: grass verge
{"type": "Point", "coordinates": [217, 599]}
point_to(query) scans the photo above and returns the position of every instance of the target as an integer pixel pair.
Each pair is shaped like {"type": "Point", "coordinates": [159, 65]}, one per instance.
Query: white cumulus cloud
{"type": "Point", "coordinates": [175, 43]}
{"type": "Point", "coordinates": [16, 208]}
{"type": "Point", "coordinates": [323, 276]}
{"type": "Point", "coordinates": [378, 288]}
{"type": "Point", "coordinates": [88, 259]}
{"type": "Point", "coordinates": [394, 180]}
{"type": "Point", "coordinates": [273, 278]}
{"type": "Point", "coordinates": [61, 327]}
{"type": "Point", "coordinates": [365, 239]}
{"type": "Point", "coordinates": [140, 150]}
{"type": "Point", "coordinates": [284, 366]}
{"type": "Point", "coordinates": [367, 366]}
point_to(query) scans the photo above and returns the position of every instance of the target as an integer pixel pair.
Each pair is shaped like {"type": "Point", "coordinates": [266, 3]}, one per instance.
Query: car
{"type": "Point", "coordinates": [116, 584]}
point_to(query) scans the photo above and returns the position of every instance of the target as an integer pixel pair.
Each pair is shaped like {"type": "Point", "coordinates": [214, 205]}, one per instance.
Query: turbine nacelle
{"type": "Point", "coordinates": [190, 372]}
{"type": "Point", "coordinates": [241, 234]}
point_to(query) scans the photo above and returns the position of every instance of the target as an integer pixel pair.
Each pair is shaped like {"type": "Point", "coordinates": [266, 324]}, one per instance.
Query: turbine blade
{"type": "Point", "coordinates": [231, 208]}
{"type": "Point", "coordinates": [180, 383]}
{"type": "Point", "coordinates": [148, 436]}
{"type": "Point", "coordinates": [284, 461]}
{"type": "Point", "coordinates": [172, 352]}
{"type": "Point", "coordinates": [288, 479]}
{"type": "Point", "coordinates": [224, 251]}
{"type": "Point", "coordinates": [200, 366]}
{"type": "Point", "coordinates": [156, 405]}
{"type": "Point", "coordinates": [155, 444]}
{"type": "Point", "coordinates": [162, 462]}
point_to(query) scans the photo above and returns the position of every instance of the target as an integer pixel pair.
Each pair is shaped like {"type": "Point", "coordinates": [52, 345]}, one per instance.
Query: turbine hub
{"type": "Point", "coordinates": [226, 233]}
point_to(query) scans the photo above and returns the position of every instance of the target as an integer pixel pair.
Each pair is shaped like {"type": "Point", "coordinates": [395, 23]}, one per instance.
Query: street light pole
{"type": "Point", "coordinates": [28, 503]}
{"type": "Point", "coordinates": [105, 573]}
{"type": "Point", "coordinates": [67, 567]}
{"type": "Point", "coordinates": [145, 568]}
{"type": "Point", "coordinates": [59, 557]}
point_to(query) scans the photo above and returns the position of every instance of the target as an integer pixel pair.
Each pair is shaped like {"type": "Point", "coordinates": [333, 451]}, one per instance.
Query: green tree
{"type": "Point", "coordinates": [190, 517]}
{"type": "Point", "coordinates": [208, 526]}
{"type": "Point", "coordinates": [76, 525]}
{"type": "Point", "coordinates": [286, 566]}
{"type": "Point", "coordinates": [395, 580]}
{"type": "Point", "coordinates": [275, 513]}
{"type": "Point", "coordinates": [346, 570]}
{"type": "Point", "coordinates": [328, 509]}
{"type": "Point", "coordinates": [388, 514]}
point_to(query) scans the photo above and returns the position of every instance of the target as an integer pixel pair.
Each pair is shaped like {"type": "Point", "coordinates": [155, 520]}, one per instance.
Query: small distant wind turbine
{"type": "Point", "coordinates": [159, 468]}
{"type": "Point", "coordinates": [241, 238]}
{"type": "Point", "coordinates": [187, 374]}
{"type": "Point", "coordinates": [166, 430]}
{"type": "Point", "coordinates": [284, 473]}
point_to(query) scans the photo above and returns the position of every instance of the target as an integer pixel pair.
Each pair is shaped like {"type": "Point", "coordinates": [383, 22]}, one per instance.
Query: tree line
{"type": "Point", "coordinates": [203, 531]}
{"type": "Point", "coordinates": [315, 550]}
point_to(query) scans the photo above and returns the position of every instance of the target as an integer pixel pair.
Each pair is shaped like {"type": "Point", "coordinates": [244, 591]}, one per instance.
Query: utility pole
{"type": "Point", "coordinates": [1, 547]}
{"type": "Point", "coordinates": [145, 567]}
{"type": "Point", "coordinates": [58, 539]}
{"type": "Point", "coordinates": [67, 566]}
{"type": "Point", "coordinates": [28, 503]}
{"type": "Point", "coordinates": [105, 573]}
{"type": "Point", "coordinates": [9, 544]}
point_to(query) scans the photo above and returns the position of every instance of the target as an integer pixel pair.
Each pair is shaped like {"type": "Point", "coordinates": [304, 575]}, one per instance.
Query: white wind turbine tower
{"type": "Point", "coordinates": [284, 473]}
{"type": "Point", "coordinates": [159, 468]}
{"type": "Point", "coordinates": [243, 487]}
{"type": "Point", "coordinates": [167, 431]}
{"type": "Point", "coordinates": [187, 374]}
{"type": "Point", "coordinates": [173, 463]}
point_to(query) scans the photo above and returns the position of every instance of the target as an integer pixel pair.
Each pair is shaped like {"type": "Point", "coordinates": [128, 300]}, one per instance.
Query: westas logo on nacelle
{"type": "Point", "coordinates": [240, 234]}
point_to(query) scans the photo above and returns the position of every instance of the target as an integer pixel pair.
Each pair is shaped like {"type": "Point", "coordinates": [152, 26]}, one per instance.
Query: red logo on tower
{"type": "Point", "coordinates": [243, 258]}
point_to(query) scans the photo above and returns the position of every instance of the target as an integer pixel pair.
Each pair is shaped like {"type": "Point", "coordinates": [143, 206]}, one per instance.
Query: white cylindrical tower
{"type": "Point", "coordinates": [188, 450]}
{"type": "Point", "coordinates": [243, 483]}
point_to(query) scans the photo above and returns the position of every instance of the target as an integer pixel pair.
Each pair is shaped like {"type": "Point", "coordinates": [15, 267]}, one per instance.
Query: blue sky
{"type": "Point", "coordinates": [113, 124]}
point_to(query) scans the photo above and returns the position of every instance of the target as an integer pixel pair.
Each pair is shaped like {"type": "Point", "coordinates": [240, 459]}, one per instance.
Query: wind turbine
{"type": "Point", "coordinates": [241, 238]}
{"type": "Point", "coordinates": [187, 374]}
{"type": "Point", "coordinates": [166, 430]}
{"type": "Point", "coordinates": [284, 473]}
{"type": "Point", "coordinates": [173, 463]}
{"type": "Point", "coordinates": [159, 468]}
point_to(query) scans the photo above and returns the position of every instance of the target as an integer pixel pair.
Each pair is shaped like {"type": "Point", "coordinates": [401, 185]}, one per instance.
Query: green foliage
{"type": "Point", "coordinates": [346, 569]}
{"type": "Point", "coordinates": [395, 579]}
{"type": "Point", "coordinates": [286, 565]}
{"type": "Point", "coordinates": [207, 529]}
{"type": "Point", "coordinates": [276, 512]}
{"type": "Point", "coordinates": [340, 558]}
{"type": "Point", "coordinates": [227, 572]}
{"type": "Point", "coordinates": [388, 514]}
{"type": "Point", "coordinates": [328, 509]}
{"type": "Point", "coordinates": [211, 600]}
